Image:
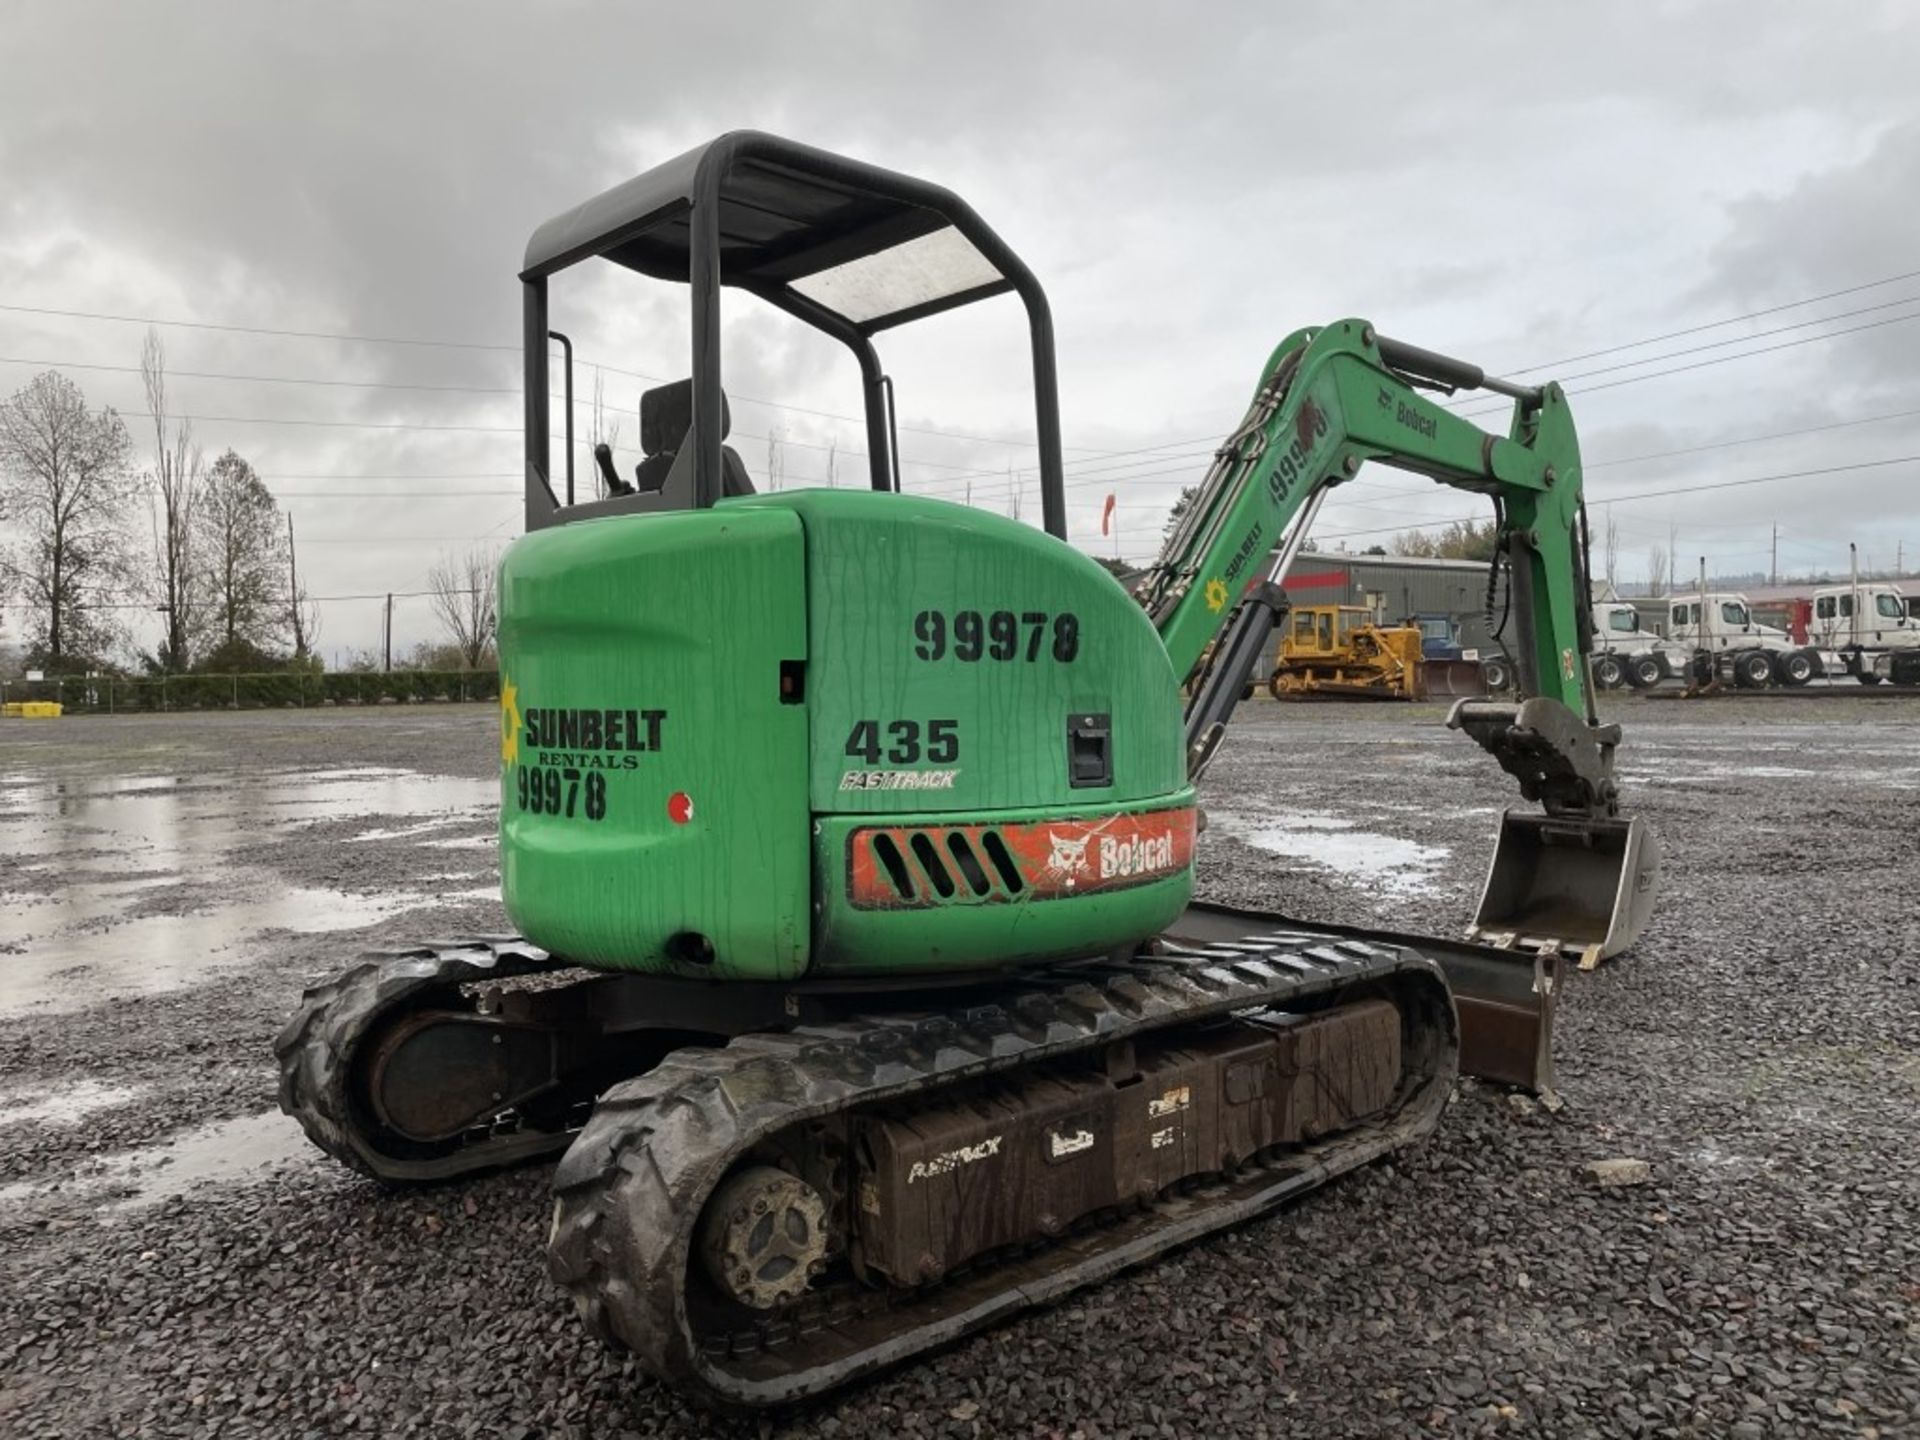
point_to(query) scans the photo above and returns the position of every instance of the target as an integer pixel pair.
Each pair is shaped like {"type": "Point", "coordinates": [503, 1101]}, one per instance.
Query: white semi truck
{"type": "Point", "coordinates": [1627, 653]}
{"type": "Point", "coordinates": [1865, 629]}
{"type": "Point", "coordinates": [1755, 655]}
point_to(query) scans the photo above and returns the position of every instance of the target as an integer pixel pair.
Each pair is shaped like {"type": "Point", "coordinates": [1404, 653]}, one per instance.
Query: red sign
{"type": "Point", "coordinates": [893, 867]}
{"type": "Point", "coordinates": [1318, 580]}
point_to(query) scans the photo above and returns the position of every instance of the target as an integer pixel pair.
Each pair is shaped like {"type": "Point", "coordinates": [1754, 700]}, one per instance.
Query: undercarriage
{"type": "Point", "coordinates": [768, 1191]}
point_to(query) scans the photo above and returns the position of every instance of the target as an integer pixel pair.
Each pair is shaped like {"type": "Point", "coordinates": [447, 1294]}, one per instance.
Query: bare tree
{"type": "Point", "coordinates": [173, 488]}
{"type": "Point", "coordinates": [303, 613]}
{"type": "Point", "coordinates": [237, 550]}
{"type": "Point", "coordinates": [776, 456]}
{"type": "Point", "coordinates": [1613, 552]}
{"type": "Point", "coordinates": [606, 428]}
{"type": "Point", "coordinates": [1659, 568]}
{"type": "Point", "coordinates": [64, 489]}
{"type": "Point", "coordinates": [1460, 540]}
{"type": "Point", "coordinates": [1182, 503]}
{"type": "Point", "coordinates": [461, 589]}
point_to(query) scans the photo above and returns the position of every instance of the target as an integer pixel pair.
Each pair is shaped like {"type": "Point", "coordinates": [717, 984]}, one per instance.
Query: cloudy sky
{"type": "Point", "coordinates": [1519, 185]}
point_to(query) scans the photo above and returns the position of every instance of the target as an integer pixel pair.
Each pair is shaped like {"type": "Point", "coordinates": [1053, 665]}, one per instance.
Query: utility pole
{"type": "Point", "coordinates": [389, 631]}
{"type": "Point", "coordinates": [1773, 574]}
{"type": "Point", "coordinates": [293, 594]}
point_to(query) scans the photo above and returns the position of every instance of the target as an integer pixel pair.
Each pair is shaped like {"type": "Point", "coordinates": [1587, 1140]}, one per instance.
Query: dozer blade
{"type": "Point", "coordinates": [1505, 998]}
{"type": "Point", "coordinates": [1585, 887]}
{"type": "Point", "coordinates": [1451, 679]}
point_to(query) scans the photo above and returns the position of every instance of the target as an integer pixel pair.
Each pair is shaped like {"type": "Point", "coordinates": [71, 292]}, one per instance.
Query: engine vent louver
{"type": "Point", "coordinates": [929, 858]}
{"type": "Point", "coordinates": [894, 863]}
{"type": "Point", "coordinates": [932, 867]}
{"type": "Point", "coordinates": [969, 863]}
{"type": "Point", "coordinates": [1002, 859]}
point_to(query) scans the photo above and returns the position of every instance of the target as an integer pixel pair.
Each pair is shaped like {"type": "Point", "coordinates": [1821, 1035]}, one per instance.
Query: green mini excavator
{"type": "Point", "coordinates": [851, 834]}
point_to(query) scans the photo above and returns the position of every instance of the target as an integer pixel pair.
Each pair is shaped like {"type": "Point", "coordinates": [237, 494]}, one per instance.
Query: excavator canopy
{"type": "Point", "coordinates": [847, 247]}
{"type": "Point", "coordinates": [869, 247]}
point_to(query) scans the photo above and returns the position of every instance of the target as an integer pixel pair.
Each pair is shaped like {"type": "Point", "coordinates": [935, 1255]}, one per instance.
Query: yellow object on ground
{"type": "Point", "coordinates": [31, 709]}
{"type": "Point", "coordinates": [1339, 650]}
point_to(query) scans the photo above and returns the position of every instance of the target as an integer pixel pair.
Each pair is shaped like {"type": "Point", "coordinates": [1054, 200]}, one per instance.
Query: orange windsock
{"type": "Point", "coordinates": [1106, 516]}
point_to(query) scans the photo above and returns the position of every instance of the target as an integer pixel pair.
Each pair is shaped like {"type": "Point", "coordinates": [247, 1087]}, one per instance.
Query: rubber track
{"type": "Point", "coordinates": [631, 1188]}
{"type": "Point", "coordinates": [316, 1052]}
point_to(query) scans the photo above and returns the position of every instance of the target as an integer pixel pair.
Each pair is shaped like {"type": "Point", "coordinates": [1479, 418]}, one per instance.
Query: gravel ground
{"type": "Point", "coordinates": [175, 1263]}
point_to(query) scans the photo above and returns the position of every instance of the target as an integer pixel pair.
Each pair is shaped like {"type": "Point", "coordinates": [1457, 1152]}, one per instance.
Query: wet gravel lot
{"type": "Point", "coordinates": [174, 1261]}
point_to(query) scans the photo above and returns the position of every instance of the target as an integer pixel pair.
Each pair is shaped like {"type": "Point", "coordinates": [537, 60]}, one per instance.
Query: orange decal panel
{"type": "Point", "coordinates": [896, 867]}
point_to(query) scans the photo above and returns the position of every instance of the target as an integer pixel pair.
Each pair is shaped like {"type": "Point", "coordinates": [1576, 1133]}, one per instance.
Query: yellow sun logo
{"type": "Point", "coordinates": [1216, 596]}
{"type": "Point", "coordinates": [509, 722]}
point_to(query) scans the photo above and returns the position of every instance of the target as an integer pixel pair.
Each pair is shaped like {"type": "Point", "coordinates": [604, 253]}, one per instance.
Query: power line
{"type": "Point", "coordinates": [1631, 345]}
{"type": "Point", "coordinates": [1718, 360]}
{"type": "Point", "coordinates": [583, 363]}
{"type": "Point", "coordinates": [316, 599]}
{"type": "Point", "coordinates": [327, 424]}
{"type": "Point", "coordinates": [1566, 381]}
{"type": "Point", "coordinates": [1387, 490]}
{"type": "Point", "coordinates": [1716, 324]}
{"type": "Point", "coordinates": [254, 329]}
{"type": "Point", "coordinates": [390, 494]}
{"type": "Point", "coordinates": [1084, 474]}
{"type": "Point", "coordinates": [1724, 444]}
{"type": "Point", "coordinates": [1679, 369]}
{"type": "Point", "coordinates": [272, 379]}
{"type": "Point", "coordinates": [1751, 439]}
{"type": "Point", "coordinates": [482, 475]}
{"type": "Point", "coordinates": [579, 401]}
{"type": "Point", "coordinates": [1661, 494]}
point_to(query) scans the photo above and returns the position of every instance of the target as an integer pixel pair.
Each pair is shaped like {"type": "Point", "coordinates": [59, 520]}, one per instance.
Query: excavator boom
{"type": "Point", "coordinates": [1577, 879]}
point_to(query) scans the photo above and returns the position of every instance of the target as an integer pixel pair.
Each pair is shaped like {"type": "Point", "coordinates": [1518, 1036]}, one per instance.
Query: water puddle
{"type": "Point", "coordinates": [70, 969]}
{"type": "Point", "coordinates": [175, 825]}
{"type": "Point", "coordinates": [407, 832]}
{"type": "Point", "coordinates": [1854, 777]}
{"type": "Point", "coordinates": [228, 1153]}
{"type": "Point", "coordinates": [66, 1106]}
{"type": "Point", "coordinates": [1709, 1156]}
{"type": "Point", "coordinates": [465, 842]}
{"type": "Point", "coordinates": [1329, 842]}
{"type": "Point", "coordinates": [153, 882]}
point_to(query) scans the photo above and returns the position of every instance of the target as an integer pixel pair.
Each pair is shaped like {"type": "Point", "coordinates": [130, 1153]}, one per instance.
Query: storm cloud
{"type": "Point", "coordinates": [1519, 186]}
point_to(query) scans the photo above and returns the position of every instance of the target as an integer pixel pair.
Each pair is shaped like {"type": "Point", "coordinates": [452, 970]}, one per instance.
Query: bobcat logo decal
{"type": "Point", "coordinates": [1069, 857]}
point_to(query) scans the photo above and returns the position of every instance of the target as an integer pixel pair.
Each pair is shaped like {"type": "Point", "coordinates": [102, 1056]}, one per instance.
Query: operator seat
{"type": "Point", "coordinates": [666, 415]}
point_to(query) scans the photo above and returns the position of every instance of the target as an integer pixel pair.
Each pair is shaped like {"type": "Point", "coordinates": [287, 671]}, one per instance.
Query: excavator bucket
{"type": "Point", "coordinates": [1582, 886]}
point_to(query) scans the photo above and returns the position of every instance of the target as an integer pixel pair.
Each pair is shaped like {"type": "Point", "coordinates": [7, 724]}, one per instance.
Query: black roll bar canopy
{"type": "Point", "coordinates": [847, 247]}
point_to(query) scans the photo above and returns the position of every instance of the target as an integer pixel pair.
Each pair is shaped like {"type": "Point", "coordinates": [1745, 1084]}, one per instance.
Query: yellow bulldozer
{"type": "Point", "coordinates": [1342, 651]}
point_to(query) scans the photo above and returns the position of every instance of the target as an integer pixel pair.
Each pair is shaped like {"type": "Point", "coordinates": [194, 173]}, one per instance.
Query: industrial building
{"type": "Point", "coordinates": [1400, 587]}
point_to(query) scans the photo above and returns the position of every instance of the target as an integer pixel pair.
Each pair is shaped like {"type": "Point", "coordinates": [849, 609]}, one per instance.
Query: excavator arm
{"type": "Point", "coordinates": [1577, 878]}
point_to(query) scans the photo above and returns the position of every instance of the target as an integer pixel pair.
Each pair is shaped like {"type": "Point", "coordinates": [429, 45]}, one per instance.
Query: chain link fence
{"type": "Point", "coordinates": [116, 694]}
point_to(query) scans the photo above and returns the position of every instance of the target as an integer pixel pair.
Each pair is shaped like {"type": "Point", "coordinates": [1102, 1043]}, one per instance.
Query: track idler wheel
{"type": "Point", "coordinates": [763, 1238]}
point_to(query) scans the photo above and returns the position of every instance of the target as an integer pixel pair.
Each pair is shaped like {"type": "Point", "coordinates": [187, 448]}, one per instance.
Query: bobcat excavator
{"type": "Point", "coordinates": [851, 835]}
